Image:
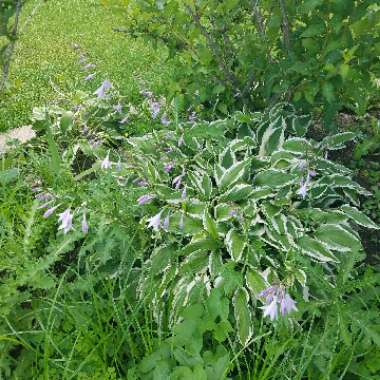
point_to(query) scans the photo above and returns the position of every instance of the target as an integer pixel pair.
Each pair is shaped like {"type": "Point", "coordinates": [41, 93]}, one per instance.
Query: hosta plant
{"type": "Point", "coordinates": [244, 207]}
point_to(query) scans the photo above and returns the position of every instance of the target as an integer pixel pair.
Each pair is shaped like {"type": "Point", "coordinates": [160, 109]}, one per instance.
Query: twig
{"type": "Point", "coordinates": [230, 76]}
{"type": "Point", "coordinates": [285, 26]}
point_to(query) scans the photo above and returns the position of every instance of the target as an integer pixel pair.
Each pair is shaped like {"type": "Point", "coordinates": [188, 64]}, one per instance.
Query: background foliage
{"type": "Point", "coordinates": [319, 54]}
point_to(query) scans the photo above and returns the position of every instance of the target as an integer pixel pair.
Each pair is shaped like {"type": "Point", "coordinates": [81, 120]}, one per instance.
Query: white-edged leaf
{"type": "Point", "coordinates": [298, 145]}
{"type": "Point", "coordinates": [337, 238]}
{"type": "Point", "coordinates": [358, 217]}
{"type": "Point", "coordinates": [237, 193]}
{"type": "Point", "coordinates": [337, 141]}
{"type": "Point", "coordinates": [209, 225]}
{"type": "Point", "coordinates": [233, 174]}
{"type": "Point", "coordinates": [255, 282]}
{"type": "Point", "coordinates": [274, 178]}
{"type": "Point", "coordinates": [242, 314]}
{"type": "Point", "coordinates": [316, 250]}
{"type": "Point", "coordinates": [235, 244]}
{"type": "Point", "coordinates": [272, 139]}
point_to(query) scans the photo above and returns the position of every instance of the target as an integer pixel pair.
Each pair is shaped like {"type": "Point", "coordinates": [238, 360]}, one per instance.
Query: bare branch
{"type": "Point", "coordinates": [285, 26]}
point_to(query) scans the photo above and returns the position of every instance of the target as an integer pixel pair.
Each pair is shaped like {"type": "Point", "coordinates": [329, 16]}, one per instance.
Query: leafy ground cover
{"type": "Point", "coordinates": [145, 236]}
{"type": "Point", "coordinates": [46, 68]}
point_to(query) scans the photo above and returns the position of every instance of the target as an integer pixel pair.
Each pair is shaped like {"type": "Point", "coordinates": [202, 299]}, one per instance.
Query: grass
{"type": "Point", "coordinates": [45, 65]}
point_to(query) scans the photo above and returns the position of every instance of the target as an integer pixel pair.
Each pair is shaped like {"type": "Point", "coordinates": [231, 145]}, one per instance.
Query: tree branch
{"type": "Point", "coordinates": [285, 26]}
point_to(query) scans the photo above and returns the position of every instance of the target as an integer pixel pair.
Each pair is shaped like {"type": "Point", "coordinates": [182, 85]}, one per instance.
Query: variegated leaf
{"type": "Point", "coordinates": [243, 316]}
{"type": "Point", "coordinates": [235, 244]}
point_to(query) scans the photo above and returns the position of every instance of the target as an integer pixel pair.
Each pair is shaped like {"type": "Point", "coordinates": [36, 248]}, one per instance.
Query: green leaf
{"type": "Point", "coordinates": [316, 250]}
{"type": "Point", "coordinates": [337, 141]}
{"type": "Point", "coordinates": [210, 225]}
{"type": "Point", "coordinates": [9, 175]}
{"type": "Point", "coordinates": [274, 178]}
{"type": "Point", "coordinates": [243, 315]}
{"type": "Point", "coordinates": [237, 193]}
{"type": "Point", "coordinates": [298, 145]}
{"type": "Point", "coordinates": [205, 244]}
{"type": "Point", "coordinates": [233, 174]}
{"type": "Point", "coordinates": [161, 258]}
{"type": "Point", "coordinates": [337, 238]}
{"type": "Point", "coordinates": [272, 139]}
{"type": "Point", "coordinates": [235, 244]}
{"type": "Point", "coordinates": [255, 282]}
{"type": "Point", "coordinates": [358, 217]}
{"type": "Point", "coordinates": [314, 30]}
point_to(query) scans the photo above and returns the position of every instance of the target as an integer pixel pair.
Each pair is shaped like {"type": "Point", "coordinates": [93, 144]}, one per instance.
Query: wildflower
{"type": "Point", "coordinates": [146, 93]}
{"type": "Point", "coordinates": [118, 108]}
{"type": "Point", "coordinates": [101, 91]}
{"type": "Point", "coordinates": [184, 193]}
{"type": "Point", "coordinates": [155, 221]}
{"type": "Point", "coordinates": [124, 120]}
{"type": "Point", "coordinates": [66, 220]}
{"type": "Point", "coordinates": [277, 296]}
{"type": "Point", "coordinates": [181, 222]}
{"type": "Point", "coordinates": [232, 213]}
{"type": "Point", "coordinates": [287, 304]}
{"type": "Point", "coordinates": [106, 163]}
{"type": "Point", "coordinates": [89, 66]}
{"type": "Point", "coordinates": [271, 310]}
{"type": "Point", "coordinates": [155, 108]}
{"type": "Point", "coordinates": [303, 188]}
{"type": "Point", "coordinates": [90, 77]}
{"type": "Point", "coordinates": [177, 181]}
{"type": "Point", "coordinates": [84, 224]}
{"type": "Point", "coordinates": [43, 197]}
{"type": "Point", "coordinates": [164, 120]}
{"type": "Point", "coordinates": [168, 167]}
{"type": "Point", "coordinates": [140, 182]}
{"type": "Point", "coordinates": [165, 224]}
{"type": "Point", "coordinates": [49, 211]}
{"type": "Point", "coordinates": [146, 198]}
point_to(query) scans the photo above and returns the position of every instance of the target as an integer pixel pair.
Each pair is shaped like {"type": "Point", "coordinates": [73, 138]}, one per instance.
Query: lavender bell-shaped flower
{"type": "Point", "coordinates": [90, 77]}
{"type": "Point", "coordinates": [271, 310]}
{"type": "Point", "coordinates": [165, 223]}
{"type": "Point", "coordinates": [101, 91]}
{"type": "Point", "coordinates": [164, 120]}
{"type": "Point", "coordinates": [155, 221]}
{"type": "Point", "coordinates": [106, 163]}
{"type": "Point", "coordinates": [155, 108]}
{"type": "Point", "coordinates": [287, 304]}
{"type": "Point", "coordinates": [177, 181]}
{"type": "Point", "coordinates": [84, 224]}
{"type": "Point", "coordinates": [50, 211]}
{"type": "Point", "coordinates": [146, 198]}
{"type": "Point", "coordinates": [168, 167]}
{"type": "Point", "coordinates": [303, 188]}
{"type": "Point", "coordinates": [66, 220]}
{"type": "Point", "coordinates": [184, 193]}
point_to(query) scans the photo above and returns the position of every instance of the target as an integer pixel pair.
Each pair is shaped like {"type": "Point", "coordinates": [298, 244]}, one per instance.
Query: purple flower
{"type": "Point", "coordinates": [106, 163]}
{"type": "Point", "coordinates": [84, 224]}
{"type": "Point", "coordinates": [49, 211]}
{"type": "Point", "coordinates": [177, 181]}
{"type": "Point", "coordinates": [140, 182]}
{"type": "Point", "coordinates": [311, 173]}
{"type": "Point", "coordinates": [184, 193]}
{"type": "Point", "coordinates": [271, 310]}
{"type": "Point", "coordinates": [232, 213]}
{"type": "Point", "coordinates": [164, 120]}
{"type": "Point", "coordinates": [118, 108]}
{"type": "Point", "coordinates": [155, 221]}
{"type": "Point", "coordinates": [44, 197]}
{"type": "Point", "coordinates": [89, 66]}
{"type": "Point", "coordinates": [303, 189]}
{"type": "Point", "coordinates": [146, 93]}
{"type": "Point", "coordinates": [101, 91]}
{"type": "Point", "coordinates": [66, 220]}
{"type": "Point", "coordinates": [155, 108]}
{"type": "Point", "coordinates": [168, 167]}
{"type": "Point", "coordinates": [90, 77]}
{"type": "Point", "coordinates": [124, 120]}
{"type": "Point", "coordinates": [181, 222]}
{"type": "Point", "coordinates": [287, 304]}
{"type": "Point", "coordinates": [146, 198]}
{"type": "Point", "coordinates": [165, 223]}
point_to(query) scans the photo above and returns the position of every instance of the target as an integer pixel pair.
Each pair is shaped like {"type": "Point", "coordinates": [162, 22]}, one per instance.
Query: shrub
{"type": "Point", "coordinates": [317, 54]}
